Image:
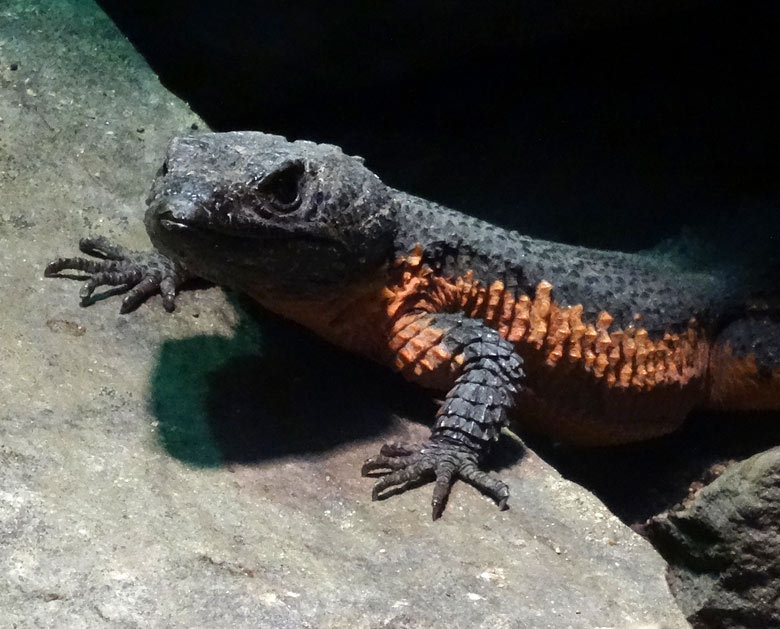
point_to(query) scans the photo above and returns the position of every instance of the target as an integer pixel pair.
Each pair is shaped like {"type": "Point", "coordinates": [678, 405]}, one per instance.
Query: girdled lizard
{"type": "Point", "coordinates": [587, 346]}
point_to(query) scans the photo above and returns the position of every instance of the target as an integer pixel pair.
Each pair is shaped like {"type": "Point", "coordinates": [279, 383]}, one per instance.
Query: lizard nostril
{"type": "Point", "coordinates": [170, 219]}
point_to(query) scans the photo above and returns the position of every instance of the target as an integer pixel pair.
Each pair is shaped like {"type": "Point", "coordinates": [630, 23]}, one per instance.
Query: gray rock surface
{"type": "Point", "coordinates": [201, 469]}
{"type": "Point", "coordinates": [724, 547]}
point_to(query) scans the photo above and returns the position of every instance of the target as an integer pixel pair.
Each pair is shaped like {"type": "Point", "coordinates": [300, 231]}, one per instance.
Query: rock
{"type": "Point", "coordinates": [724, 547]}
{"type": "Point", "coordinates": [201, 469]}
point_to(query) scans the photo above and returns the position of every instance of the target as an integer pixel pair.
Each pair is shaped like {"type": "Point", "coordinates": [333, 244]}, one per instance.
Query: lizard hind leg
{"type": "Point", "coordinates": [468, 423]}
{"type": "Point", "coordinates": [745, 365]}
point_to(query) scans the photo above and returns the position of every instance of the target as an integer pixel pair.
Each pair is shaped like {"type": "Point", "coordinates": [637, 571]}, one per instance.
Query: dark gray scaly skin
{"type": "Point", "coordinates": [304, 222]}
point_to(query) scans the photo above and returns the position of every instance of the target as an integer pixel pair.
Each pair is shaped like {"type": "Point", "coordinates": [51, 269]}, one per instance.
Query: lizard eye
{"type": "Point", "coordinates": [282, 187]}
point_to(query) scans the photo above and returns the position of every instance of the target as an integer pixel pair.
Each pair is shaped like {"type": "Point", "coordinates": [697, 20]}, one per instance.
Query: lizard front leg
{"type": "Point", "coordinates": [470, 419]}
{"type": "Point", "coordinates": [141, 273]}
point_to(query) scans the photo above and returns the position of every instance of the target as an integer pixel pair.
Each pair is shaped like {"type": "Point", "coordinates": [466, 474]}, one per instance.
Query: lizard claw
{"type": "Point", "coordinates": [140, 273]}
{"type": "Point", "coordinates": [438, 460]}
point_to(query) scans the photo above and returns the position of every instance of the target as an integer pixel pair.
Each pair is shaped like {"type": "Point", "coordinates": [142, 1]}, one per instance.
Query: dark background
{"type": "Point", "coordinates": [603, 123]}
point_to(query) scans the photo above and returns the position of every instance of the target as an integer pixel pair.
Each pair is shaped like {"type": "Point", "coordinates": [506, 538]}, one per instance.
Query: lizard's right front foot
{"type": "Point", "coordinates": [440, 460]}
{"type": "Point", "coordinates": [141, 273]}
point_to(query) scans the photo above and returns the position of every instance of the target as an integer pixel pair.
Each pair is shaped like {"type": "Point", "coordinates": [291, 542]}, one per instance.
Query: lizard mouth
{"type": "Point", "coordinates": [177, 225]}
{"type": "Point", "coordinates": [174, 225]}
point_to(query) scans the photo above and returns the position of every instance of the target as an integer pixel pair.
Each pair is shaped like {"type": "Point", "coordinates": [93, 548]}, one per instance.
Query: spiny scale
{"type": "Point", "coordinates": [626, 358]}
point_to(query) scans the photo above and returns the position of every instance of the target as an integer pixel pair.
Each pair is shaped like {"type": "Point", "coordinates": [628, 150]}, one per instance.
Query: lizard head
{"type": "Point", "coordinates": [270, 217]}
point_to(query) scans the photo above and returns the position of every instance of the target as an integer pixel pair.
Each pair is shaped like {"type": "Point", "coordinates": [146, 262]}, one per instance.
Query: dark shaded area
{"type": "Point", "coordinates": [606, 123]}
{"type": "Point", "coordinates": [274, 389]}
{"type": "Point", "coordinates": [641, 480]}
{"type": "Point", "coordinates": [271, 390]}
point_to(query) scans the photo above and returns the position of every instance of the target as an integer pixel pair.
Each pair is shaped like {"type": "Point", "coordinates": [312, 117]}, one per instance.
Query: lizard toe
{"type": "Point", "coordinates": [417, 472]}
{"type": "Point", "coordinates": [382, 462]}
{"type": "Point", "coordinates": [497, 489]}
{"type": "Point", "coordinates": [101, 247]}
{"type": "Point", "coordinates": [83, 266]}
{"type": "Point", "coordinates": [411, 465]}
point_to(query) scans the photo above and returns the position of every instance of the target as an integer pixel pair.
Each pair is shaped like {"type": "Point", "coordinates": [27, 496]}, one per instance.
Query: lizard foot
{"type": "Point", "coordinates": [440, 460]}
{"type": "Point", "coordinates": [140, 273]}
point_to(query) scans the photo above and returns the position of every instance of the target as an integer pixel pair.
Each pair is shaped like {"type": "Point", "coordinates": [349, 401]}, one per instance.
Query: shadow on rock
{"type": "Point", "coordinates": [269, 391]}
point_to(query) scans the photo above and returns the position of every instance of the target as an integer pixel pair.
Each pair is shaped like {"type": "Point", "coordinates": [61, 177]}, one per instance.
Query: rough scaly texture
{"type": "Point", "coordinates": [595, 347]}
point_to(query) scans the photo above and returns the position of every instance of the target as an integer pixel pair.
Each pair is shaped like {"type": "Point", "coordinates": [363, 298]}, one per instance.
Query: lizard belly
{"type": "Point", "coordinates": [568, 403]}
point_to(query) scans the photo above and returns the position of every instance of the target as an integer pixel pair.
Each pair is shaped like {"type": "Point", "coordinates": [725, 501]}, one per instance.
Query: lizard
{"type": "Point", "coordinates": [587, 346]}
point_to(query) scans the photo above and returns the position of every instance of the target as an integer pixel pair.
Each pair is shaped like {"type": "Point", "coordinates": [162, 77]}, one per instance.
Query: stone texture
{"type": "Point", "coordinates": [201, 469]}
{"type": "Point", "coordinates": [724, 547]}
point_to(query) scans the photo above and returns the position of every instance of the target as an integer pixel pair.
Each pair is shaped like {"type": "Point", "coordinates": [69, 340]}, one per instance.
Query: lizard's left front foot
{"type": "Point", "coordinates": [438, 459]}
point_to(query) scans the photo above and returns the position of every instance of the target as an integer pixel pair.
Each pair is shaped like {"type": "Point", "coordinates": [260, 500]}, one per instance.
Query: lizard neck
{"type": "Point", "coordinates": [354, 318]}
